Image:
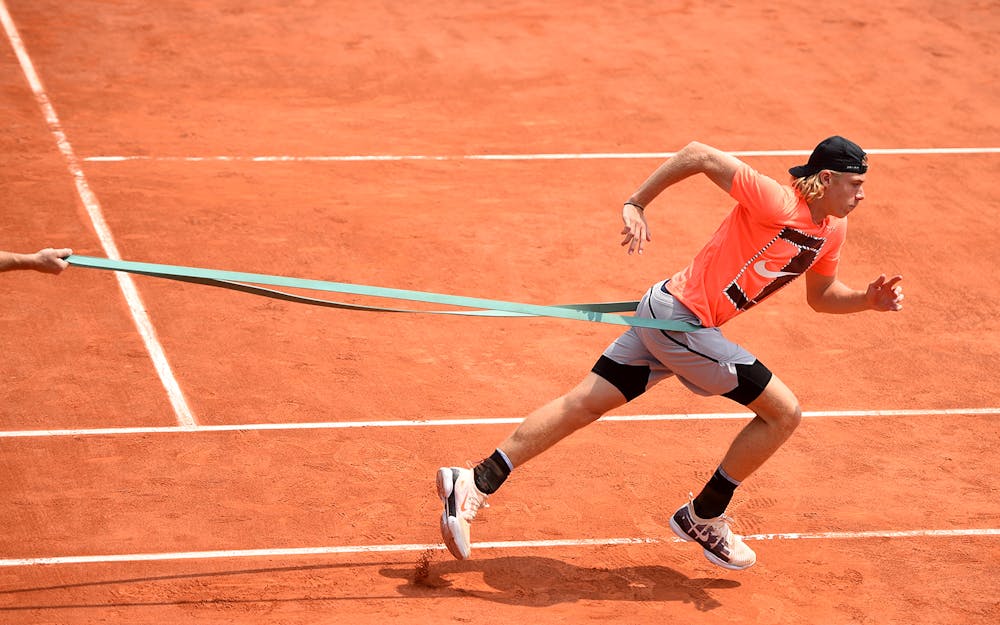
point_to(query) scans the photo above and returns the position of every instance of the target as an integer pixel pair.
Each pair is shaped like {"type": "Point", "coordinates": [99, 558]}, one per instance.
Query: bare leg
{"type": "Point", "coordinates": [778, 414]}
{"type": "Point", "coordinates": [559, 418]}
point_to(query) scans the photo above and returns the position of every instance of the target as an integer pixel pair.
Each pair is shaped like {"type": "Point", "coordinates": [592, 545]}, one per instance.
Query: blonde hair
{"type": "Point", "coordinates": [809, 188]}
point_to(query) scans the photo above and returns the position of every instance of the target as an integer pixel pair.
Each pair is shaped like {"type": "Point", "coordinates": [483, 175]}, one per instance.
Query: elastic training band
{"type": "Point", "coordinates": [602, 312]}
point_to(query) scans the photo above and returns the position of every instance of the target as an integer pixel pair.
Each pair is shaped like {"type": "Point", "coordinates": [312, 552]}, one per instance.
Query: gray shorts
{"type": "Point", "coordinates": [703, 360]}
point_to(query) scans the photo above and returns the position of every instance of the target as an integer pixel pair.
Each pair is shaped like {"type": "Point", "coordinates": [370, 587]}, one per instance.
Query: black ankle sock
{"type": "Point", "coordinates": [715, 497]}
{"type": "Point", "coordinates": [491, 473]}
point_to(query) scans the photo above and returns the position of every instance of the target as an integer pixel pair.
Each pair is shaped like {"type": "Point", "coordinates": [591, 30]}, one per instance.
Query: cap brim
{"type": "Point", "coordinates": [802, 171]}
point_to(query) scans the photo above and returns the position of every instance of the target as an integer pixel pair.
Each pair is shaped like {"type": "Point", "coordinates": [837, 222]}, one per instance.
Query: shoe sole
{"type": "Point", "coordinates": [711, 557]}
{"type": "Point", "coordinates": [449, 524]}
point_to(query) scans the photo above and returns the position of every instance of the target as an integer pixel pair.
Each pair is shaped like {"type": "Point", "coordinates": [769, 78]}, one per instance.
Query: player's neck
{"type": "Point", "coordinates": [817, 211]}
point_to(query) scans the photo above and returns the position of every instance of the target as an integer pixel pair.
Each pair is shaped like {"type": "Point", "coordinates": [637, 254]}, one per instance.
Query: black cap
{"type": "Point", "coordinates": [835, 153]}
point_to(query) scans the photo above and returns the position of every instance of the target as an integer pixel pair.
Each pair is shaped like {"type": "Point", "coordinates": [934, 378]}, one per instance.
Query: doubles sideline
{"type": "Point", "coordinates": [507, 157]}
{"type": "Point", "coordinates": [334, 425]}
{"type": "Point", "coordinates": [511, 544]}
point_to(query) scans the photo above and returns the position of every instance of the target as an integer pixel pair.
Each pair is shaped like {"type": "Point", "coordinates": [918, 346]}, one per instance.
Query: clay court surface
{"type": "Point", "coordinates": [247, 460]}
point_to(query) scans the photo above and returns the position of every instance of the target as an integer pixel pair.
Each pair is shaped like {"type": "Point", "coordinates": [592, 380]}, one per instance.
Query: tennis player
{"type": "Point", "coordinates": [775, 234]}
{"type": "Point", "coordinates": [46, 261]}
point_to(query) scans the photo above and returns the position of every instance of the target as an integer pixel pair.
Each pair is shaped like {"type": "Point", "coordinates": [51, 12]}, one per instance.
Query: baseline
{"type": "Point", "coordinates": [142, 321]}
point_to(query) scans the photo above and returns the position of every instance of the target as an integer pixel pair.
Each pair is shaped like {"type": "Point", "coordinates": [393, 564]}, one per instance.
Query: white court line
{"type": "Point", "coordinates": [509, 157]}
{"type": "Point", "coordinates": [334, 425]}
{"type": "Point", "coordinates": [184, 415]}
{"type": "Point", "coordinates": [513, 544]}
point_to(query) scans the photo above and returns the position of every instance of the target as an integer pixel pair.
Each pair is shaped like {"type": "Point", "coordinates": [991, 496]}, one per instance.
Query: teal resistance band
{"type": "Point", "coordinates": [239, 281]}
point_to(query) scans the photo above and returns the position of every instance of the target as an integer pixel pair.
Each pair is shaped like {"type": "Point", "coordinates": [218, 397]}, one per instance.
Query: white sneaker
{"type": "Point", "coordinates": [461, 499]}
{"type": "Point", "coordinates": [721, 545]}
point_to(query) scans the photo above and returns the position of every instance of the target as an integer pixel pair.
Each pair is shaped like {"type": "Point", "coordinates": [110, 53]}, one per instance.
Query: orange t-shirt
{"type": "Point", "coordinates": [768, 240]}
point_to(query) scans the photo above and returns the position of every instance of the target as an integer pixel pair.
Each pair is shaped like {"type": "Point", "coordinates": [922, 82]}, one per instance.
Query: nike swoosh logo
{"type": "Point", "coordinates": [761, 268]}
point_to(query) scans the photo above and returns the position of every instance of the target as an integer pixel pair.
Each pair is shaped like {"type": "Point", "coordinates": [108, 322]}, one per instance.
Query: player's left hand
{"type": "Point", "coordinates": [885, 295]}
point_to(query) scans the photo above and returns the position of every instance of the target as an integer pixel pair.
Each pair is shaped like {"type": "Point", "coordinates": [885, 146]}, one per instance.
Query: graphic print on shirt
{"type": "Point", "coordinates": [808, 248]}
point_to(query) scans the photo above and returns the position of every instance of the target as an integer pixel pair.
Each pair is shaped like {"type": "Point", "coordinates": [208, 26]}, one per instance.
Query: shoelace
{"type": "Point", "coordinates": [719, 531]}
{"type": "Point", "coordinates": [474, 502]}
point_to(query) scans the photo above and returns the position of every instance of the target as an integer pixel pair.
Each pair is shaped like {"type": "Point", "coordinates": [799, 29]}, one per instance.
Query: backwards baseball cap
{"type": "Point", "coordinates": [834, 153]}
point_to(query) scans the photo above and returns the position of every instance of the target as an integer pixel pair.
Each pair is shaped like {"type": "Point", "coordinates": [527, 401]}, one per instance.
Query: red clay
{"type": "Point", "coordinates": [447, 78]}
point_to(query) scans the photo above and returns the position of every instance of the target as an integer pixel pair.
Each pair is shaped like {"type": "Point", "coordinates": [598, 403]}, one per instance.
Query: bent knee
{"type": "Point", "coordinates": [790, 419]}
{"type": "Point", "coordinates": [778, 406]}
{"type": "Point", "coordinates": [784, 419]}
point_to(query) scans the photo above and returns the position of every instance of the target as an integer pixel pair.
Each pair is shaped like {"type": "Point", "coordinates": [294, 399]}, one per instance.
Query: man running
{"type": "Point", "coordinates": [774, 234]}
